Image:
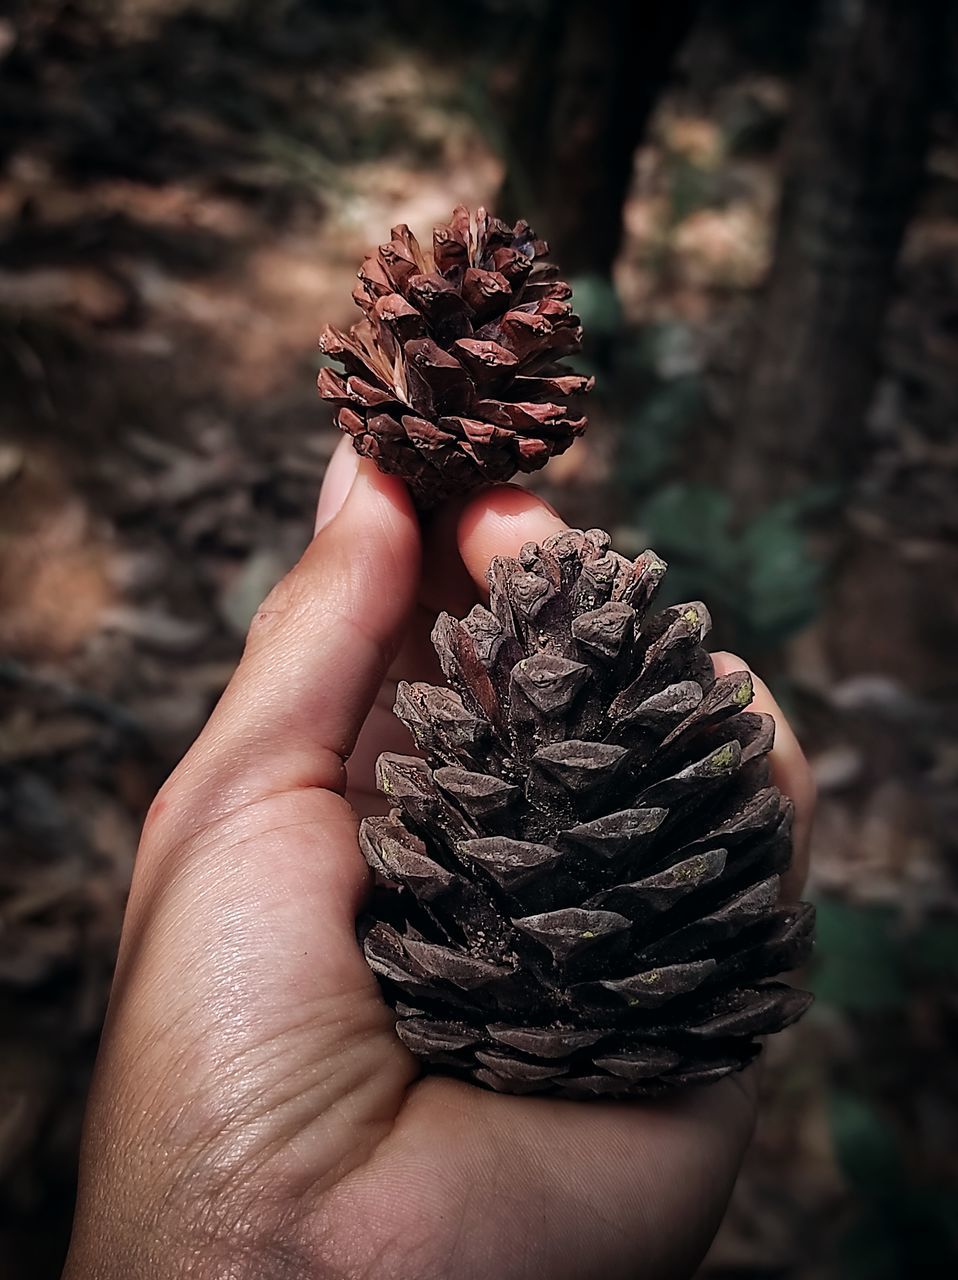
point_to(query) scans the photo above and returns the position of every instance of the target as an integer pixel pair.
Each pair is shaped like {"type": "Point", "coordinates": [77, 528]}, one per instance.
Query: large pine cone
{"type": "Point", "coordinates": [582, 877]}
{"type": "Point", "coordinates": [452, 375]}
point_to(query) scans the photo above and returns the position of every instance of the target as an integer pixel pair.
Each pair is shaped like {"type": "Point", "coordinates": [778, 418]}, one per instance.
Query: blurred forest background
{"type": "Point", "coordinates": [758, 205]}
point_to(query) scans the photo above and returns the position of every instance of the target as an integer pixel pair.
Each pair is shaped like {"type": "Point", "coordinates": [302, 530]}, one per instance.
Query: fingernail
{"type": "Point", "coordinates": [337, 483]}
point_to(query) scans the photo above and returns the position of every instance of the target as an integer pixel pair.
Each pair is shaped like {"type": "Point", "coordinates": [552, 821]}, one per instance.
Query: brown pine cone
{"type": "Point", "coordinates": [581, 878]}
{"type": "Point", "coordinates": [453, 375]}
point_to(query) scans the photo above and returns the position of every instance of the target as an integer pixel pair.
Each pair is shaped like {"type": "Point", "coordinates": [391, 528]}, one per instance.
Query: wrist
{"type": "Point", "coordinates": [174, 1237]}
{"type": "Point", "coordinates": [117, 1256]}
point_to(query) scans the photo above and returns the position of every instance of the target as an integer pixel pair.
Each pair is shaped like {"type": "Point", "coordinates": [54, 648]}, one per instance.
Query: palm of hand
{"type": "Point", "coordinates": [277, 1116]}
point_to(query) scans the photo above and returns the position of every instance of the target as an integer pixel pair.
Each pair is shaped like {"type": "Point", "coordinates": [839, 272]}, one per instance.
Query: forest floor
{"type": "Point", "coordinates": [180, 212]}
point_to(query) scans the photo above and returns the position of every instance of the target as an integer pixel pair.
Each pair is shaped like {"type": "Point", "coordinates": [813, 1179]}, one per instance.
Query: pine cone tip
{"type": "Point", "coordinates": [453, 378]}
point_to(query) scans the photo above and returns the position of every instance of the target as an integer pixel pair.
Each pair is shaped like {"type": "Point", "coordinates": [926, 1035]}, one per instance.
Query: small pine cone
{"type": "Point", "coordinates": [579, 885]}
{"type": "Point", "coordinates": [453, 375]}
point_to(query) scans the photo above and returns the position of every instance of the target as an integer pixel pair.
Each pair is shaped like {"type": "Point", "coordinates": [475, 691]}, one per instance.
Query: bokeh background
{"type": "Point", "coordinates": [758, 205]}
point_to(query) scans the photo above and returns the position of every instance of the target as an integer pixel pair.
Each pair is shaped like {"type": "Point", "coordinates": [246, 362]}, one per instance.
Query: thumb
{"type": "Point", "coordinates": [244, 1023]}
{"type": "Point", "coordinates": [317, 651]}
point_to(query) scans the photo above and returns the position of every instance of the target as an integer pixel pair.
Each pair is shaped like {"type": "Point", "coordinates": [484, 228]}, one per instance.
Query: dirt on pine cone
{"type": "Point", "coordinates": [579, 884]}
{"type": "Point", "coordinates": [453, 377]}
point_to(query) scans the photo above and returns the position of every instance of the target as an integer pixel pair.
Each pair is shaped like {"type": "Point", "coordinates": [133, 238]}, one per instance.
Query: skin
{"type": "Point", "coordinates": [252, 1112]}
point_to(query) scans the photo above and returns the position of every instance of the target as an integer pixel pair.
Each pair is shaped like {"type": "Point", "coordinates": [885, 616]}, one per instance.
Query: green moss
{"type": "Point", "coordinates": [723, 758]}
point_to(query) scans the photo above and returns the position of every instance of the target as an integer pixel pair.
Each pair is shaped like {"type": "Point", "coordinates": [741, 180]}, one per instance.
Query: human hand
{"type": "Point", "coordinates": [252, 1113]}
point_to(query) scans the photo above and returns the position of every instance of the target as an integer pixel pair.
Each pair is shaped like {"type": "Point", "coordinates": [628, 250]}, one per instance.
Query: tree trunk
{"type": "Point", "coordinates": [855, 161]}
{"type": "Point", "coordinates": [590, 77]}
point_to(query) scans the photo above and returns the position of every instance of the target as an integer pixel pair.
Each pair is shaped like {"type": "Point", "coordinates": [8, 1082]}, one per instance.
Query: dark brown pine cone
{"type": "Point", "coordinates": [453, 377]}
{"type": "Point", "coordinates": [581, 879]}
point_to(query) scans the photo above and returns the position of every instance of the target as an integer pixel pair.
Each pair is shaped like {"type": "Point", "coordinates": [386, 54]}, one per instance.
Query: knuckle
{"type": "Point", "coordinates": [163, 811]}
{"type": "Point", "coordinates": [186, 804]}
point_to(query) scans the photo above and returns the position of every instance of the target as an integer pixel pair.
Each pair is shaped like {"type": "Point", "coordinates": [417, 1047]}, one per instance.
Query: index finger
{"type": "Point", "coordinates": [499, 523]}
